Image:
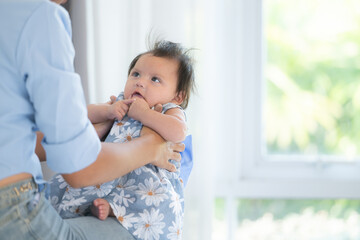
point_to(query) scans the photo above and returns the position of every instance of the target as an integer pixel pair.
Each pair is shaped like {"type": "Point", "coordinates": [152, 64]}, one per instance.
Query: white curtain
{"type": "Point", "coordinates": [108, 34]}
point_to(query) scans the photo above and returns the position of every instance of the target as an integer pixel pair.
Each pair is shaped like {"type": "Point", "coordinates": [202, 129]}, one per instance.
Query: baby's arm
{"type": "Point", "coordinates": [171, 125]}
{"type": "Point", "coordinates": [102, 115]}
{"type": "Point", "coordinates": [103, 128]}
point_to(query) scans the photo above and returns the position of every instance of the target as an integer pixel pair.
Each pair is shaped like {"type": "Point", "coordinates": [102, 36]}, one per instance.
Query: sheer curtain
{"type": "Point", "coordinates": [108, 34]}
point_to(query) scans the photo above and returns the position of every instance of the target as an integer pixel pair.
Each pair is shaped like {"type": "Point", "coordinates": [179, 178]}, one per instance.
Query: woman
{"type": "Point", "coordinates": [40, 91]}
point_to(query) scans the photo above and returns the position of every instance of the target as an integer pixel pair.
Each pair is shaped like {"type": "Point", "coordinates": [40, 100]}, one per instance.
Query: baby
{"type": "Point", "coordinates": [148, 201]}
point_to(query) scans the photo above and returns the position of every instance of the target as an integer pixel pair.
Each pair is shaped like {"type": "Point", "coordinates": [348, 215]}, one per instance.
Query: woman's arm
{"type": "Point", "coordinates": [118, 159]}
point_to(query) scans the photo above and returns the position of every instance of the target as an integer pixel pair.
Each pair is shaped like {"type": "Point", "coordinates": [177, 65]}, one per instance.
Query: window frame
{"type": "Point", "coordinates": [270, 176]}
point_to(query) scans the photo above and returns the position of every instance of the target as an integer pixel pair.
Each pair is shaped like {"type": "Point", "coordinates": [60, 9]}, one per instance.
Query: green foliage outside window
{"type": "Point", "coordinates": [313, 77]}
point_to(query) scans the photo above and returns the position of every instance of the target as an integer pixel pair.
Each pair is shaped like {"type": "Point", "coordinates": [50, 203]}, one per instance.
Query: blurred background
{"type": "Point", "coordinates": [275, 118]}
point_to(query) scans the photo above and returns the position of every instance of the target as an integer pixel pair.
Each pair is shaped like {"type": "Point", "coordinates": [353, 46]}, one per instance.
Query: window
{"type": "Point", "coordinates": [298, 95]}
{"type": "Point", "coordinates": [300, 88]}
{"type": "Point", "coordinates": [312, 79]}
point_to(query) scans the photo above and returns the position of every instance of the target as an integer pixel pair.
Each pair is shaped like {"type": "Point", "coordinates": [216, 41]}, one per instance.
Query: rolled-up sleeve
{"type": "Point", "coordinates": [45, 56]}
{"type": "Point", "coordinates": [74, 154]}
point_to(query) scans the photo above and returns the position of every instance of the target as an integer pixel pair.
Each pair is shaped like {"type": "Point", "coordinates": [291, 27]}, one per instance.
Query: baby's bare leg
{"type": "Point", "coordinates": [101, 209]}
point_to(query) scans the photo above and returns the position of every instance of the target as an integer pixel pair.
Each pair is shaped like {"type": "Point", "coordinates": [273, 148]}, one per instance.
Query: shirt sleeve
{"type": "Point", "coordinates": [45, 55]}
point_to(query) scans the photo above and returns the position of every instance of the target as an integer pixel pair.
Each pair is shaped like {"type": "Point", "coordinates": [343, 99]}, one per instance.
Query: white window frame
{"type": "Point", "coordinates": [269, 176]}
{"type": "Point", "coordinates": [254, 175]}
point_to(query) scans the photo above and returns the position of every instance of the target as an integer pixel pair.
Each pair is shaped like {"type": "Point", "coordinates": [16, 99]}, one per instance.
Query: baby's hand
{"type": "Point", "coordinates": [119, 109]}
{"type": "Point", "coordinates": [138, 108]}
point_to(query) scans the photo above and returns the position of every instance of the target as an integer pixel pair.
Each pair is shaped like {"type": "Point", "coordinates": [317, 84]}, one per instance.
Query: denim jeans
{"type": "Point", "coordinates": [26, 214]}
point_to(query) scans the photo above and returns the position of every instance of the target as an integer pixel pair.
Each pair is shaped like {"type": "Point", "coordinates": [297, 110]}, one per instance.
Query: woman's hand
{"type": "Point", "coordinates": [165, 150]}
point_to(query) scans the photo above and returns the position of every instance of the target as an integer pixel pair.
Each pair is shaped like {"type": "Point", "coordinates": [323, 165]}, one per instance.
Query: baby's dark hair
{"type": "Point", "coordinates": [186, 78]}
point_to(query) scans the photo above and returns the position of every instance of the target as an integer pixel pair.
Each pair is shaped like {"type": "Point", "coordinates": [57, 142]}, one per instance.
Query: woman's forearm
{"type": "Point", "coordinates": [118, 159]}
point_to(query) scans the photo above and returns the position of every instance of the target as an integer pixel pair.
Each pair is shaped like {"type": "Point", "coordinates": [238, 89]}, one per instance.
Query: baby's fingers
{"type": "Point", "coordinates": [113, 99]}
{"type": "Point", "coordinates": [128, 101]}
{"type": "Point", "coordinates": [158, 108]}
{"type": "Point", "coordinates": [120, 114]}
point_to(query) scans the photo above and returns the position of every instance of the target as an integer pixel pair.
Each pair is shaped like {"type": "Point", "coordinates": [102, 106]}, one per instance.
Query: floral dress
{"type": "Point", "coordinates": [148, 201]}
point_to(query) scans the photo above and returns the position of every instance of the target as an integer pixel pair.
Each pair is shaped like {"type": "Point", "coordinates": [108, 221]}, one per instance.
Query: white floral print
{"type": "Point", "coordinates": [138, 170]}
{"type": "Point", "coordinates": [116, 128]}
{"type": "Point", "coordinates": [128, 184]}
{"type": "Point", "coordinates": [175, 230]}
{"type": "Point", "coordinates": [150, 225]}
{"type": "Point", "coordinates": [99, 190]}
{"type": "Point", "coordinates": [176, 203]}
{"type": "Point", "coordinates": [121, 198]}
{"type": "Point", "coordinates": [71, 193]}
{"type": "Point", "coordinates": [152, 192]}
{"type": "Point", "coordinates": [62, 182]}
{"type": "Point", "coordinates": [120, 213]}
{"type": "Point", "coordinates": [67, 205]}
{"type": "Point", "coordinates": [127, 135]}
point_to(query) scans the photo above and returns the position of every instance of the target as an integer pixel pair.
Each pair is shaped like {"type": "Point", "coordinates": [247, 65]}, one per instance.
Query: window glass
{"type": "Point", "coordinates": [312, 73]}
{"type": "Point", "coordinates": [274, 219]}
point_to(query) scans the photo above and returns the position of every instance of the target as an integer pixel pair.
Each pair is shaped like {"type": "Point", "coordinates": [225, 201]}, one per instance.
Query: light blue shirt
{"type": "Point", "coordinates": [40, 91]}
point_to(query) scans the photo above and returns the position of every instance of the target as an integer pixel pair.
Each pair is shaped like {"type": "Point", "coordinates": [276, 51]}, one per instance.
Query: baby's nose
{"type": "Point", "coordinates": [140, 83]}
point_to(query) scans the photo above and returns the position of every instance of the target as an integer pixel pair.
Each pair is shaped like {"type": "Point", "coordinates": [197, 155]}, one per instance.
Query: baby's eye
{"type": "Point", "coordinates": [135, 74]}
{"type": "Point", "coordinates": [155, 79]}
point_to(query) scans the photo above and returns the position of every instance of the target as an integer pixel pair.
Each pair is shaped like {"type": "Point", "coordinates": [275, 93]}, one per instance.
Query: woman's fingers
{"type": "Point", "coordinates": [176, 156]}
{"type": "Point", "coordinates": [167, 150]}
{"type": "Point", "coordinates": [170, 167]}
{"type": "Point", "coordinates": [171, 153]}
{"type": "Point", "coordinates": [176, 147]}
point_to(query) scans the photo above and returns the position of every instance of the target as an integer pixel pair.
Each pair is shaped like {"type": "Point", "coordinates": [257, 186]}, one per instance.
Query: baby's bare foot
{"type": "Point", "coordinates": [100, 208]}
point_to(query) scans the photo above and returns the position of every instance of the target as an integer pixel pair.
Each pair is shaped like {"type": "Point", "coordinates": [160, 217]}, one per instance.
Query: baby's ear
{"type": "Point", "coordinates": [179, 98]}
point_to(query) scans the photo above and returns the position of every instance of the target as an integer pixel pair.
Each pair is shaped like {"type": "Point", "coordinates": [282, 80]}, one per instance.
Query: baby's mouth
{"type": "Point", "coordinates": [137, 95]}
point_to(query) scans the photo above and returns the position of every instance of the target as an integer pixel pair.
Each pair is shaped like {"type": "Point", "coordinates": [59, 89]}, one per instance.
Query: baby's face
{"type": "Point", "coordinates": [154, 79]}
